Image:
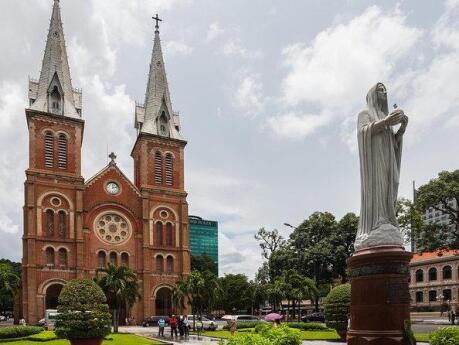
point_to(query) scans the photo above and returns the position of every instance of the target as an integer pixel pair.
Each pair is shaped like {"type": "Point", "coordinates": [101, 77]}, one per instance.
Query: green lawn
{"type": "Point", "coordinates": [112, 339]}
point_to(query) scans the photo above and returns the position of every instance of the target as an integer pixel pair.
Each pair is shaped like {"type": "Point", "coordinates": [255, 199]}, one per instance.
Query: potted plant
{"type": "Point", "coordinates": [337, 309]}
{"type": "Point", "coordinates": [83, 315]}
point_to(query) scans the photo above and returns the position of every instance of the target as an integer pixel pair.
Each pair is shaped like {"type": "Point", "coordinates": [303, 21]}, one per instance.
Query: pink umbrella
{"type": "Point", "coordinates": [273, 317]}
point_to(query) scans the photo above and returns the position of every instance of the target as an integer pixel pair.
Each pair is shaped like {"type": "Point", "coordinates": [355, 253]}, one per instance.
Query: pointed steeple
{"type": "Point", "coordinates": [53, 92]}
{"type": "Point", "coordinates": [156, 115]}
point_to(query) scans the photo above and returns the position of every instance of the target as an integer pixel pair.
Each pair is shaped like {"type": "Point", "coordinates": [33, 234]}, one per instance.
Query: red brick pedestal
{"type": "Point", "coordinates": [380, 302]}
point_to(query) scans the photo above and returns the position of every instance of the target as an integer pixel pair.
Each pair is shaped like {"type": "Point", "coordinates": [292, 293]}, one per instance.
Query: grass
{"type": "Point", "coordinates": [112, 339]}
{"type": "Point", "coordinates": [305, 335]}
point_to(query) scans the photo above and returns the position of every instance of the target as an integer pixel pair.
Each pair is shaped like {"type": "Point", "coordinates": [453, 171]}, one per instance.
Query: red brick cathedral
{"type": "Point", "coordinates": [72, 226]}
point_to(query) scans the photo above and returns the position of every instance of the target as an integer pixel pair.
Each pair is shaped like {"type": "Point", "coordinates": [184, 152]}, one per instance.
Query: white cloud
{"type": "Point", "coordinates": [296, 126]}
{"type": "Point", "coordinates": [233, 48]}
{"type": "Point", "coordinates": [249, 96]}
{"type": "Point", "coordinates": [174, 48]}
{"type": "Point", "coordinates": [345, 60]}
{"type": "Point", "coordinates": [214, 31]}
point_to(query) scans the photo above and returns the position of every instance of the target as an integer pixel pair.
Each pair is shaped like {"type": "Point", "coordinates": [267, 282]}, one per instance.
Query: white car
{"type": "Point", "coordinates": [206, 323]}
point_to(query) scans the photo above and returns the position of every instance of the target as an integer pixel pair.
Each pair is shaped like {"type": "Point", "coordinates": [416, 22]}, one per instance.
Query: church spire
{"type": "Point", "coordinates": [53, 92]}
{"type": "Point", "coordinates": [156, 115]}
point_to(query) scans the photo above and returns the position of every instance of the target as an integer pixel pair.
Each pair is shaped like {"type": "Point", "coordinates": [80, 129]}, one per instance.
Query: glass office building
{"type": "Point", "coordinates": [204, 238]}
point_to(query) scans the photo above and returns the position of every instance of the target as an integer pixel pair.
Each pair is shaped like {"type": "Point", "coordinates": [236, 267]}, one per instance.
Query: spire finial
{"type": "Point", "coordinates": [157, 19]}
{"type": "Point", "coordinates": [112, 156]}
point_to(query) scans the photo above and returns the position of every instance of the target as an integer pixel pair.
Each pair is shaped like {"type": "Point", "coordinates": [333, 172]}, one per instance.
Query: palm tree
{"type": "Point", "coordinates": [178, 294]}
{"type": "Point", "coordinates": [308, 290]}
{"type": "Point", "coordinates": [121, 288]}
{"type": "Point", "coordinates": [276, 292]}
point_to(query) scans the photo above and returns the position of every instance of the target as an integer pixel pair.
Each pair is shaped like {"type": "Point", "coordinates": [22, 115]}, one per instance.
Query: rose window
{"type": "Point", "coordinates": [112, 228]}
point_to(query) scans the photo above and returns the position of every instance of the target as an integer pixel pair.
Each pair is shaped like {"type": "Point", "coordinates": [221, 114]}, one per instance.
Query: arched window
{"type": "Point", "coordinates": [158, 168]}
{"type": "Point", "coordinates": [113, 258]}
{"type": "Point", "coordinates": [49, 256]}
{"type": "Point", "coordinates": [170, 264]}
{"type": "Point", "coordinates": [447, 272]}
{"type": "Point", "coordinates": [125, 259]}
{"type": "Point", "coordinates": [432, 296]}
{"type": "Point", "coordinates": [447, 295]}
{"type": "Point", "coordinates": [49, 150]}
{"type": "Point", "coordinates": [169, 169]}
{"type": "Point", "coordinates": [419, 297]}
{"type": "Point", "coordinates": [49, 223]}
{"type": "Point", "coordinates": [159, 234]}
{"type": "Point", "coordinates": [163, 127]}
{"type": "Point", "coordinates": [61, 224]}
{"type": "Point", "coordinates": [419, 275]}
{"type": "Point", "coordinates": [101, 259]}
{"type": "Point", "coordinates": [62, 257]}
{"type": "Point", "coordinates": [62, 151]}
{"type": "Point", "coordinates": [432, 274]}
{"type": "Point", "coordinates": [159, 263]}
{"type": "Point", "coordinates": [169, 234]}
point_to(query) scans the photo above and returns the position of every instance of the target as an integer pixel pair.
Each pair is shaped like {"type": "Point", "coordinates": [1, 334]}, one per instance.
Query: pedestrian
{"type": "Point", "coordinates": [449, 315]}
{"type": "Point", "coordinates": [161, 325]}
{"type": "Point", "coordinates": [186, 326]}
{"type": "Point", "coordinates": [232, 326]}
{"type": "Point", "coordinates": [453, 317]}
{"type": "Point", "coordinates": [180, 325]}
{"type": "Point", "coordinates": [199, 326]}
{"type": "Point", "coordinates": [173, 324]}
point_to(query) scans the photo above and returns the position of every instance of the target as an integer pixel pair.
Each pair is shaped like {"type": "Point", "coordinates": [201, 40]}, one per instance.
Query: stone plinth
{"type": "Point", "coordinates": [380, 301]}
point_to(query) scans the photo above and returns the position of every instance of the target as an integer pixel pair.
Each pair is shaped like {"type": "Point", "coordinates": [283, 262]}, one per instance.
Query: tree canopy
{"type": "Point", "coordinates": [203, 263]}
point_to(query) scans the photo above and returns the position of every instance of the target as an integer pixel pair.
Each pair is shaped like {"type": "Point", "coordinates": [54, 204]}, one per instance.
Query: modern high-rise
{"type": "Point", "coordinates": [204, 238]}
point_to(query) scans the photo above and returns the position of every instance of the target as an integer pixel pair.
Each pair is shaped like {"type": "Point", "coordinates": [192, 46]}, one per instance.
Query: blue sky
{"type": "Point", "coordinates": [268, 93]}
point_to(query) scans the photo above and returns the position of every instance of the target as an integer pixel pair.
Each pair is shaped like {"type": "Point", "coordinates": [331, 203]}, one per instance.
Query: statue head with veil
{"type": "Point", "coordinates": [380, 151]}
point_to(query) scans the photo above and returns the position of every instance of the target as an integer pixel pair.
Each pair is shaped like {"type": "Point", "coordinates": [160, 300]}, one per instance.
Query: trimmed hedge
{"type": "Point", "coordinates": [243, 324]}
{"type": "Point", "coordinates": [309, 326]}
{"type": "Point", "coordinates": [337, 307]}
{"type": "Point", "coordinates": [82, 311]}
{"type": "Point", "coordinates": [445, 336]}
{"type": "Point", "coordinates": [268, 335]}
{"type": "Point", "coordinates": [19, 331]}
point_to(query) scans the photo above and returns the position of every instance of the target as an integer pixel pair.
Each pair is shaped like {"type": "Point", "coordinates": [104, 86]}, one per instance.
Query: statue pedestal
{"type": "Point", "coordinates": [380, 300]}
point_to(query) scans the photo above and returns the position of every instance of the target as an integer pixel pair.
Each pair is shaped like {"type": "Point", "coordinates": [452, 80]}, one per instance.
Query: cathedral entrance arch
{"type": "Point", "coordinates": [52, 295]}
{"type": "Point", "coordinates": [163, 301]}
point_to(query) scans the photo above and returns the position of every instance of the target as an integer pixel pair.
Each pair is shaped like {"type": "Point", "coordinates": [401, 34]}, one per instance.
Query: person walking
{"type": "Point", "coordinates": [180, 325]}
{"type": "Point", "coordinates": [173, 324]}
{"type": "Point", "coordinates": [161, 325]}
{"type": "Point", "coordinates": [232, 326]}
{"type": "Point", "coordinates": [186, 326]}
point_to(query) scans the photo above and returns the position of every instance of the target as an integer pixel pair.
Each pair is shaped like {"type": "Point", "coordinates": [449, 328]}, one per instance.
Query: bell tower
{"type": "Point", "coordinates": [158, 155]}
{"type": "Point", "coordinates": [52, 245]}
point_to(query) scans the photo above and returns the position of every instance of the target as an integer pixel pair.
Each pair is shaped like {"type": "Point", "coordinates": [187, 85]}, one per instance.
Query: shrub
{"type": "Point", "coordinates": [262, 326]}
{"type": "Point", "coordinates": [18, 332]}
{"type": "Point", "coordinates": [268, 335]}
{"type": "Point", "coordinates": [337, 307]}
{"type": "Point", "coordinates": [308, 326]}
{"type": "Point", "coordinates": [82, 311]}
{"type": "Point", "coordinates": [445, 336]}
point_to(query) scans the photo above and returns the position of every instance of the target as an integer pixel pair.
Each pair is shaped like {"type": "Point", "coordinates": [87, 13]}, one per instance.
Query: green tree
{"type": "Point", "coordinates": [342, 242]}
{"type": "Point", "coordinates": [203, 263]}
{"type": "Point", "coordinates": [409, 219]}
{"type": "Point", "coordinates": [120, 285]}
{"type": "Point", "coordinates": [440, 194]}
{"type": "Point", "coordinates": [10, 281]}
{"type": "Point", "coordinates": [234, 288]}
{"type": "Point", "coordinates": [277, 292]}
{"type": "Point", "coordinates": [270, 241]}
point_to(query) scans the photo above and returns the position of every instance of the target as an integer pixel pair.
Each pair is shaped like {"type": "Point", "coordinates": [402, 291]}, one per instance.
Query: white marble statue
{"type": "Point", "coordinates": [380, 150]}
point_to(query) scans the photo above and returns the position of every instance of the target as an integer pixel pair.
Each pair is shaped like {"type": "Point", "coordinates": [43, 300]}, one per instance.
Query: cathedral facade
{"type": "Point", "coordinates": [72, 226]}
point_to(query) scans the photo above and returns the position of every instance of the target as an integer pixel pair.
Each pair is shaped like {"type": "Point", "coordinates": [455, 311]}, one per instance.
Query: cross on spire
{"type": "Point", "coordinates": [157, 19]}
{"type": "Point", "coordinates": [112, 156]}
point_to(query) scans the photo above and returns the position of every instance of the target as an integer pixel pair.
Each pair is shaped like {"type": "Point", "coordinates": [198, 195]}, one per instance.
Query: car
{"type": "Point", "coordinates": [248, 318]}
{"type": "Point", "coordinates": [315, 317]}
{"type": "Point", "coordinates": [153, 321]}
{"type": "Point", "coordinates": [206, 323]}
{"type": "Point", "coordinates": [3, 318]}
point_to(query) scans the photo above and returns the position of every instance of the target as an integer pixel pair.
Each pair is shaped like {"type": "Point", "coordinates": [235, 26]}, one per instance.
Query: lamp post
{"type": "Point", "coordinates": [290, 226]}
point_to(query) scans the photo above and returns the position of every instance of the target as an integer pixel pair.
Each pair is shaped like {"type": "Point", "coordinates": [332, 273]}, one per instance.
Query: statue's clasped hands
{"type": "Point", "coordinates": [396, 117]}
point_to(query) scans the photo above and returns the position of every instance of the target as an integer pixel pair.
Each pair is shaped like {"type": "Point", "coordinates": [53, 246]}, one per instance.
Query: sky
{"type": "Point", "coordinates": [268, 93]}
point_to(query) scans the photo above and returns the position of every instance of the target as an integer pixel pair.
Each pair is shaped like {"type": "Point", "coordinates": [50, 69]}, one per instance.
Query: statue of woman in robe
{"type": "Point", "coordinates": [380, 151]}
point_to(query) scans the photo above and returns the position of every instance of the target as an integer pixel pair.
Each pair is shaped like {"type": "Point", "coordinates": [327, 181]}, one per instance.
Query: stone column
{"type": "Point", "coordinates": [380, 298]}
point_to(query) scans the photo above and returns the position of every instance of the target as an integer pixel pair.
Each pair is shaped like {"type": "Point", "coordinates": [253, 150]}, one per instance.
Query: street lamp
{"type": "Point", "coordinates": [290, 226]}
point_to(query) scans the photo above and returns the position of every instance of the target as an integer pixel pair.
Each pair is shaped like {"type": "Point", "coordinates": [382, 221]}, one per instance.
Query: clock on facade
{"type": "Point", "coordinates": [112, 188]}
